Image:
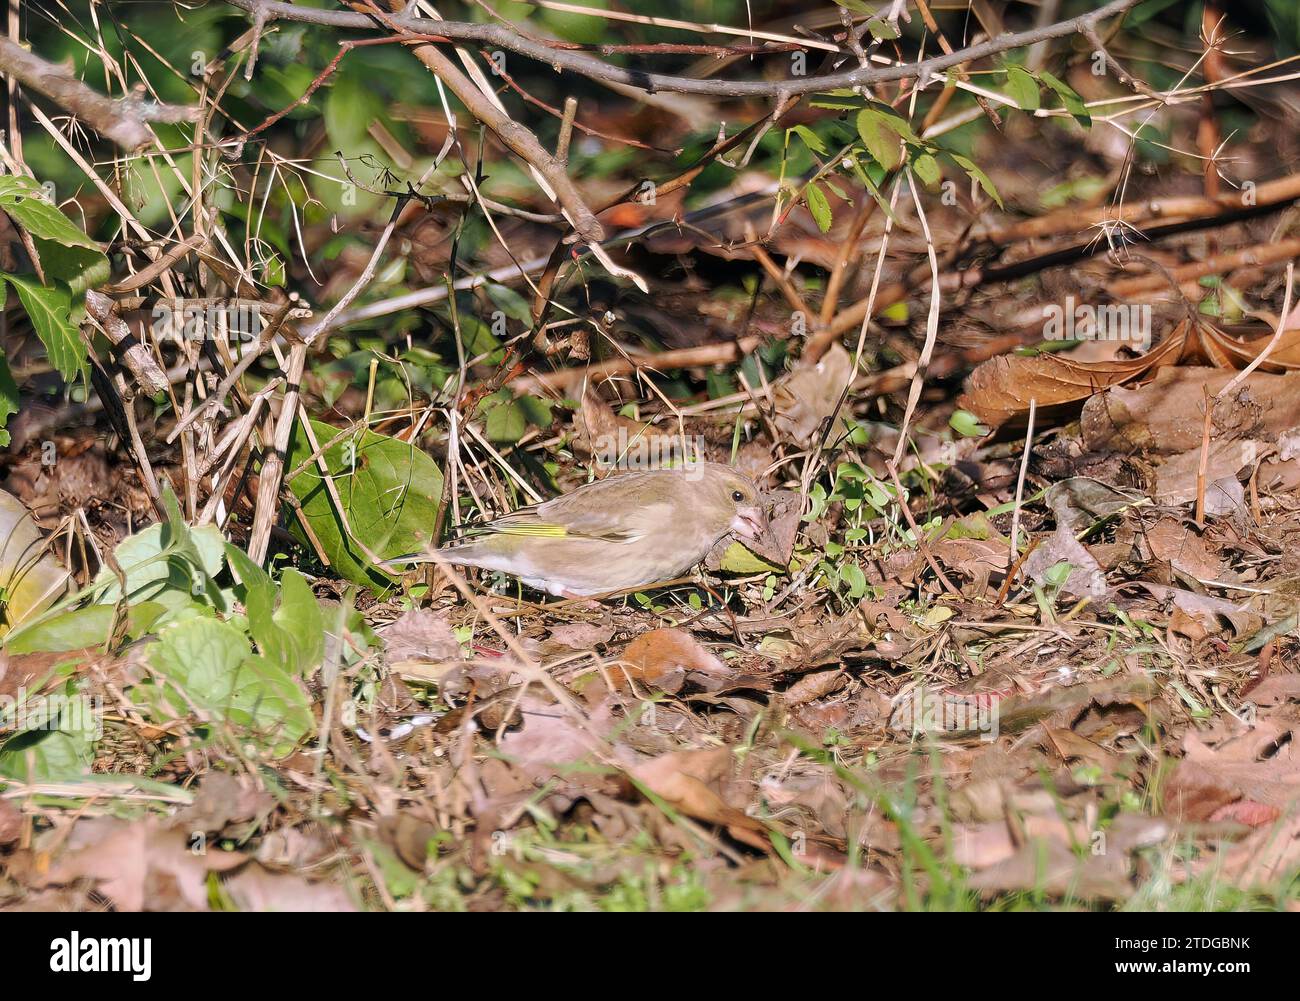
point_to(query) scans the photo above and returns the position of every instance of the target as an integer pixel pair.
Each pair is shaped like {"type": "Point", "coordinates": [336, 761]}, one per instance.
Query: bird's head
{"type": "Point", "coordinates": [736, 499]}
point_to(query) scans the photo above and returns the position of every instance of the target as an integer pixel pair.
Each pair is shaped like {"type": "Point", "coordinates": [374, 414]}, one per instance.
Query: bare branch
{"type": "Point", "coordinates": [560, 59]}
{"type": "Point", "coordinates": [123, 120]}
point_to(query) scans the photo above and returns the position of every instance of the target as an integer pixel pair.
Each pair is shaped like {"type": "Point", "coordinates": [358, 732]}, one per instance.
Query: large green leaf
{"type": "Point", "coordinates": [389, 490]}
{"type": "Point", "coordinates": [293, 635]}
{"type": "Point", "coordinates": [209, 665]}
{"type": "Point", "coordinates": [53, 755]}
{"type": "Point", "coordinates": [174, 571]}
{"type": "Point", "coordinates": [880, 138]}
{"type": "Point", "coordinates": [25, 200]}
{"type": "Point", "coordinates": [50, 309]}
{"type": "Point", "coordinates": [81, 628]}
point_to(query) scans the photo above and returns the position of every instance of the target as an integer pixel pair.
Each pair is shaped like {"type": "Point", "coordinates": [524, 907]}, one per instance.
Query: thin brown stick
{"type": "Point", "coordinates": [663, 361]}
{"type": "Point", "coordinates": [268, 483]}
{"type": "Point", "coordinates": [518, 139]}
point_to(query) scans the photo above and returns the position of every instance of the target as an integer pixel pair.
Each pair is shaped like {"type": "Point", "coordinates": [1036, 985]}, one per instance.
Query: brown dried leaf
{"type": "Point", "coordinates": [139, 865]}
{"type": "Point", "coordinates": [1259, 766]}
{"type": "Point", "coordinates": [421, 635]}
{"type": "Point", "coordinates": [667, 658]}
{"type": "Point", "coordinates": [692, 782]}
{"type": "Point", "coordinates": [1000, 389]}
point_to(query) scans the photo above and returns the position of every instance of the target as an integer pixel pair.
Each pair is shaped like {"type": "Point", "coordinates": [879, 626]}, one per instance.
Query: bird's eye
{"type": "Point", "coordinates": [737, 496]}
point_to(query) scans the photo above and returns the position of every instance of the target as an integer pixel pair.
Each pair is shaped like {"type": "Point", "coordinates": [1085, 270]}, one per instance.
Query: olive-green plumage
{"type": "Point", "coordinates": [616, 534]}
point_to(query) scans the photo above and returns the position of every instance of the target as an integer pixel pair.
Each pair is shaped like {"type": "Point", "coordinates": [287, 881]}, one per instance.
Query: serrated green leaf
{"type": "Point", "coordinates": [880, 139]}
{"type": "Point", "coordinates": [818, 206]}
{"type": "Point", "coordinates": [25, 200]}
{"type": "Point", "coordinates": [927, 169]}
{"type": "Point", "coordinates": [50, 310]}
{"type": "Point", "coordinates": [810, 139]}
{"type": "Point", "coordinates": [1072, 101]}
{"type": "Point", "coordinates": [979, 176]}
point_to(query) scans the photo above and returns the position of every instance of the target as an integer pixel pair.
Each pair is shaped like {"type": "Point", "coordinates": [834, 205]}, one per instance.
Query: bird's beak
{"type": "Point", "coordinates": [749, 522]}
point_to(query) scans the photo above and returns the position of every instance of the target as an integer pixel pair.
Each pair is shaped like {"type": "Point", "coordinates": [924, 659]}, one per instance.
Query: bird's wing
{"type": "Point", "coordinates": [614, 510]}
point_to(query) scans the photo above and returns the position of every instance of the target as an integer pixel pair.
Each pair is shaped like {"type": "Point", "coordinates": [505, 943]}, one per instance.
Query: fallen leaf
{"type": "Point", "coordinates": [257, 889]}
{"type": "Point", "coordinates": [692, 782]}
{"type": "Point", "coordinates": [807, 396]}
{"type": "Point", "coordinates": [668, 658]}
{"type": "Point", "coordinates": [139, 865]}
{"type": "Point", "coordinates": [420, 635]}
{"type": "Point", "coordinates": [1260, 765]}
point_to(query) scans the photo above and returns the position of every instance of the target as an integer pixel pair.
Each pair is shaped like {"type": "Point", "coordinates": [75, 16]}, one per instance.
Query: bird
{"type": "Point", "coordinates": [616, 534]}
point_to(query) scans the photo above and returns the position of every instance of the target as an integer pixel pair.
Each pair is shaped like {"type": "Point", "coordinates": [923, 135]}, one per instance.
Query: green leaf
{"type": "Point", "coordinates": [927, 169]}
{"type": "Point", "coordinates": [882, 29]}
{"type": "Point", "coordinates": [25, 200]}
{"type": "Point", "coordinates": [833, 104]}
{"type": "Point", "coordinates": [1072, 101]}
{"type": "Point", "coordinates": [50, 310]}
{"type": "Point", "coordinates": [967, 424]}
{"type": "Point", "coordinates": [351, 106]}
{"type": "Point", "coordinates": [810, 139]}
{"type": "Point", "coordinates": [209, 665]}
{"type": "Point", "coordinates": [300, 616]}
{"type": "Point", "coordinates": [82, 627]}
{"type": "Point", "coordinates": [390, 491]}
{"type": "Point", "coordinates": [510, 302]}
{"type": "Point", "coordinates": [1022, 88]}
{"type": "Point", "coordinates": [851, 574]}
{"type": "Point", "coordinates": [508, 416]}
{"type": "Point", "coordinates": [49, 755]}
{"type": "Point", "coordinates": [818, 206]}
{"type": "Point", "coordinates": [739, 559]}
{"type": "Point", "coordinates": [173, 569]}
{"type": "Point", "coordinates": [8, 388]}
{"type": "Point", "coordinates": [292, 636]}
{"type": "Point", "coordinates": [979, 175]}
{"type": "Point", "coordinates": [880, 139]}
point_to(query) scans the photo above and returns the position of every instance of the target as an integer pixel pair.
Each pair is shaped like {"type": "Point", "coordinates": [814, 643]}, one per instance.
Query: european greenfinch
{"type": "Point", "coordinates": [619, 533]}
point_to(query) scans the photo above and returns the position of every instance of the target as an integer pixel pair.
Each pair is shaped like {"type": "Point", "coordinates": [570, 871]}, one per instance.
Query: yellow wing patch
{"type": "Point", "coordinates": [538, 530]}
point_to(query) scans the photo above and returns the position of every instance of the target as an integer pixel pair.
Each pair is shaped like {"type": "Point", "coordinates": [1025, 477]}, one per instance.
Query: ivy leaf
{"type": "Point", "coordinates": [979, 175]}
{"type": "Point", "coordinates": [50, 310]}
{"type": "Point", "coordinates": [818, 206]}
{"type": "Point", "coordinates": [1072, 101]}
{"type": "Point", "coordinates": [1022, 88]}
{"type": "Point", "coordinates": [389, 490]}
{"type": "Point", "coordinates": [879, 137]}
